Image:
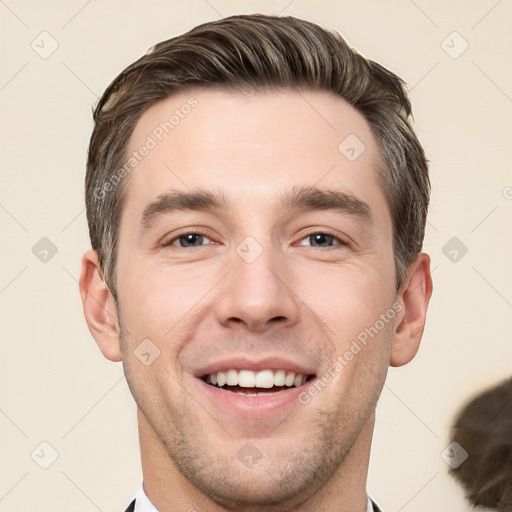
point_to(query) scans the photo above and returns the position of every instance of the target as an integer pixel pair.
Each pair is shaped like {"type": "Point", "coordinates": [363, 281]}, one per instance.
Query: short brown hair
{"type": "Point", "coordinates": [483, 428]}
{"type": "Point", "coordinates": [247, 53]}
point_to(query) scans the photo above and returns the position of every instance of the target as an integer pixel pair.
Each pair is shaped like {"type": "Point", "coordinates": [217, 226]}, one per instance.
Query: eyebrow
{"type": "Point", "coordinates": [176, 200]}
{"type": "Point", "coordinates": [312, 198]}
{"type": "Point", "coordinates": [298, 198]}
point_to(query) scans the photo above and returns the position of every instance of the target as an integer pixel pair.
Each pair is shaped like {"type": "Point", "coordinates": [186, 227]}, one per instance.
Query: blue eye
{"type": "Point", "coordinates": [189, 240]}
{"type": "Point", "coordinates": [192, 239]}
{"type": "Point", "coordinates": [323, 240]}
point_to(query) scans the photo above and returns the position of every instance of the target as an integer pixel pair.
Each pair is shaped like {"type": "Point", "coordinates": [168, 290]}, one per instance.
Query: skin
{"type": "Point", "coordinates": [299, 299]}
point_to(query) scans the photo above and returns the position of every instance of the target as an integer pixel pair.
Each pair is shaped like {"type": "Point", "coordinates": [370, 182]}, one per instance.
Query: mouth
{"type": "Point", "coordinates": [241, 387]}
{"type": "Point", "coordinates": [256, 383]}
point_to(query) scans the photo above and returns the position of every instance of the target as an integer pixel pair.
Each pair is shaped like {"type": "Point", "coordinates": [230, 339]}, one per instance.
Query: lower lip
{"type": "Point", "coordinates": [249, 406]}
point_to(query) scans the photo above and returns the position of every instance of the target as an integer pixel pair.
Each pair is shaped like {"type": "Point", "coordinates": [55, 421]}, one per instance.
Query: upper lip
{"type": "Point", "coordinates": [244, 362]}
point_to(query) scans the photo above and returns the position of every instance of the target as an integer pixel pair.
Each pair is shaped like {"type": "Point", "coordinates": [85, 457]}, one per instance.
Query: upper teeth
{"type": "Point", "coordinates": [262, 379]}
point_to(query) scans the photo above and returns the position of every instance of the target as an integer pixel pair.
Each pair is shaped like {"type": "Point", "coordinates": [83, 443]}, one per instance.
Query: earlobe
{"type": "Point", "coordinates": [414, 297]}
{"type": "Point", "coordinates": [99, 307]}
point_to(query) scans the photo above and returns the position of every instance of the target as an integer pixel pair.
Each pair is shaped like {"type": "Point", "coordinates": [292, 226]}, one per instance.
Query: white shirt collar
{"type": "Point", "coordinates": [142, 503]}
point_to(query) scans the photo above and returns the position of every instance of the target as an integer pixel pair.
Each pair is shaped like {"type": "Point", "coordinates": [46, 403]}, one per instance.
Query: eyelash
{"type": "Point", "coordinates": [182, 235]}
{"type": "Point", "coordinates": [333, 235]}
{"type": "Point", "coordinates": [327, 232]}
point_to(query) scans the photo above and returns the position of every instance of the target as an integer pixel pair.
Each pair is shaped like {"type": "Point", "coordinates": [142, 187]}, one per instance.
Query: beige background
{"type": "Point", "coordinates": [55, 385]}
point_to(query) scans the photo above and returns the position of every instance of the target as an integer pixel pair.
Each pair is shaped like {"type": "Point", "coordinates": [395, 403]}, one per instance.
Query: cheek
{"type": "Point", "coordinates": [350, 302]}
{"type": "Point", "coordinates": [159, 299]}
{"type": "Point", "coordinates": [347, 298]}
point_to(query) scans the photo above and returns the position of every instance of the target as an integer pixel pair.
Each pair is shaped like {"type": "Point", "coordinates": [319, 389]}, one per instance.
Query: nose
{"type": "Point", "coordinates": [255, 295]}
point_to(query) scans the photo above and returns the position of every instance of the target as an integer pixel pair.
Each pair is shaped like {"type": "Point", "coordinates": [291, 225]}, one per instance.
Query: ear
{"type": "Point", "coordinates": [99, 307]}
{"type": "Point", "coordinates": [414, 296]}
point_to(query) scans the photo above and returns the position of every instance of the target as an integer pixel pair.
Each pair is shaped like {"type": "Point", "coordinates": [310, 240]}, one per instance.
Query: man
{"type": "Point", "coordinates": [256, 200]}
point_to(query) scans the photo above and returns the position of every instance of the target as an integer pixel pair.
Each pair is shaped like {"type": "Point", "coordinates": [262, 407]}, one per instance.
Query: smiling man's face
{"type": "Point", "coordinates": [252, 249]}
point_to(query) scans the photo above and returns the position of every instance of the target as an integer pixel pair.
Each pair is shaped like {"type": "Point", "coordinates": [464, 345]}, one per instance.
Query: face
{"type": "Point", "coordinates": [253, 248]}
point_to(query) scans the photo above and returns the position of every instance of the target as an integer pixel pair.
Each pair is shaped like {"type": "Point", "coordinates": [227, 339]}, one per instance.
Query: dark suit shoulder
{"type": "Point", "coordinates": [131, 507]}
{"type": "Point", "coordinates": [375, 507]}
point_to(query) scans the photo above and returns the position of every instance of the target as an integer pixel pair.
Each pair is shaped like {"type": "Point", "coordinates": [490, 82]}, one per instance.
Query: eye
{"type": "Point", "coordinates": [188, 240]}
{"type": "Point", "coordinates": [322, 239]}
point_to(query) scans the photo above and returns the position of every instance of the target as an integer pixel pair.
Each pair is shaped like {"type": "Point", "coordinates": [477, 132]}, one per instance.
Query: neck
{"type": "Point", "coordinates": [170, 491]}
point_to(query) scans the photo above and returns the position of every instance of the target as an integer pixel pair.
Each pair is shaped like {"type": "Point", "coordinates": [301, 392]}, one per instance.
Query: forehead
{"type": "Point", "coordinates": [253, 146]}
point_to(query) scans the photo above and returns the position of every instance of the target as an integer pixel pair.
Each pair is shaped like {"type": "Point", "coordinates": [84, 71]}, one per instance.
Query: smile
{"type": "Point", "coordinates": [251, 383]}
{"type": "Point", "coordinates": [245, 387]}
